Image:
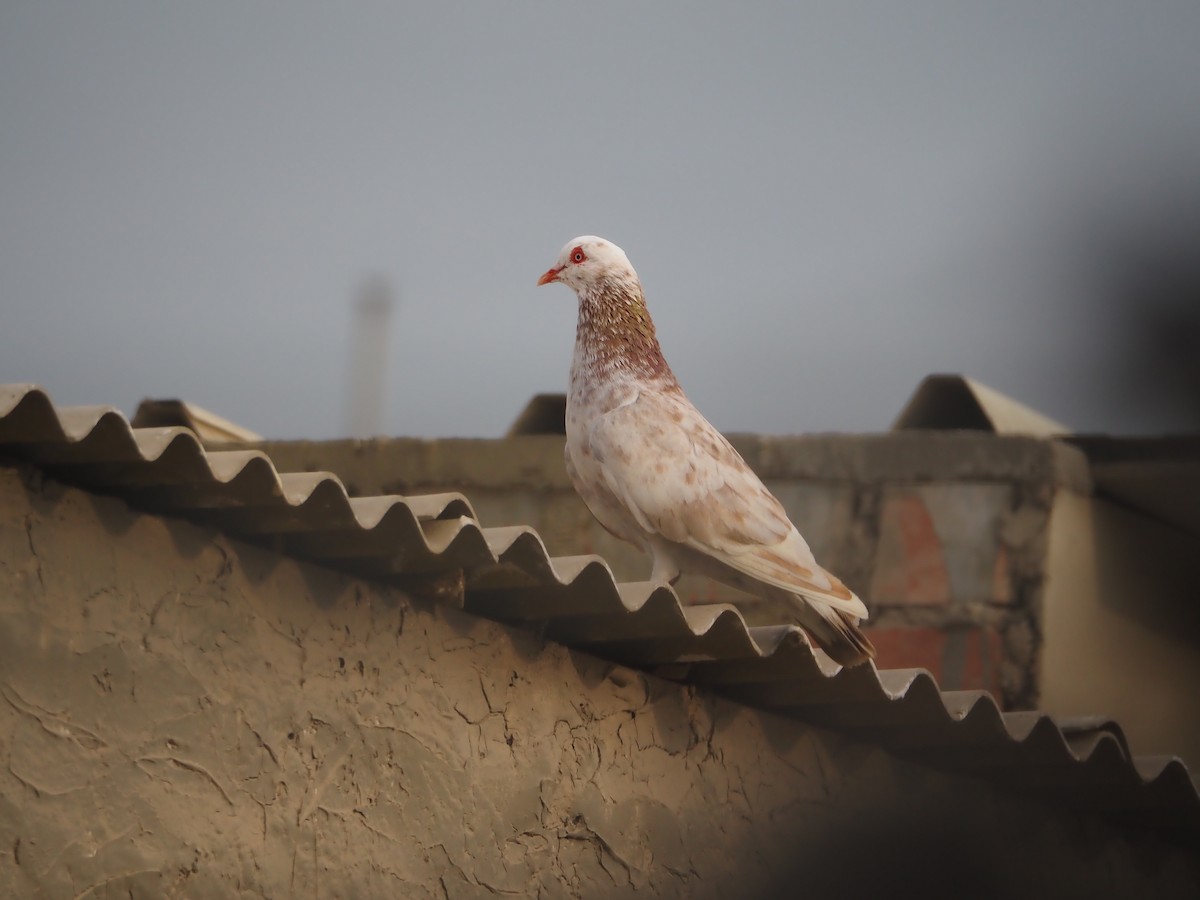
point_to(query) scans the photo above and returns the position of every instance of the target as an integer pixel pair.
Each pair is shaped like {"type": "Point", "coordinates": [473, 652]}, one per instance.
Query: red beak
{"type": "Point", "coordinates": [550, 275]}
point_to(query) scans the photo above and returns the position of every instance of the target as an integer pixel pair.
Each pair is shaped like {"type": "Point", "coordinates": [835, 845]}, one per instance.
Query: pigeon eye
{"type": "Point", "coordinates": [577, 255]}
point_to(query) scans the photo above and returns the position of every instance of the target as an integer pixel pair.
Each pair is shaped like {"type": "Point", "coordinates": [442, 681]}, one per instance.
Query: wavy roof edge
{"type": "Point", "coordinates": [434, 544]}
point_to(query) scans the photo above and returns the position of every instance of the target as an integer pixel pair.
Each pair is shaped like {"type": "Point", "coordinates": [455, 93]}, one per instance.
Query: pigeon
{"type": "Point", "coordinates": [654, 472]}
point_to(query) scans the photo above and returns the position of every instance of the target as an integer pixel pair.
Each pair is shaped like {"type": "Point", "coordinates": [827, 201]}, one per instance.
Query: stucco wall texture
{"type": "Point", "coordinates": [185, 715]}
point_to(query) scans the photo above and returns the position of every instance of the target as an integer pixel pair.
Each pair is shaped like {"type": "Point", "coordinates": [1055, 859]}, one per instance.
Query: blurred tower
{"type": "Point", "coordinates": [368, 357]}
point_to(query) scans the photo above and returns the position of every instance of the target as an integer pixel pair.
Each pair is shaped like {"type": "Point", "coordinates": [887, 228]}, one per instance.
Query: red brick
{"type": "Point", "coordinates": [910, 569]}
{"type": "Point", "coordinates": [1002, 593]}
{"type": "Point", "coordinates": [984, 652]}
{"type": "Point", "coordinates": [908, 648]}
{"type": "Point", "coordinates": [961, 658]}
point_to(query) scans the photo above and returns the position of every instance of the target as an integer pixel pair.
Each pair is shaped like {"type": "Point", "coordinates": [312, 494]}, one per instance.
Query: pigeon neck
{"type": "Point", "coordinates": [615, 334]}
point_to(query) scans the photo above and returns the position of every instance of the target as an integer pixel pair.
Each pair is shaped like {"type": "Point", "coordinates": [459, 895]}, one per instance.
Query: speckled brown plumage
{"type": "Point", "coordinates": [615, 332]}
{"type": "Point", "coordinates": [656, 473]}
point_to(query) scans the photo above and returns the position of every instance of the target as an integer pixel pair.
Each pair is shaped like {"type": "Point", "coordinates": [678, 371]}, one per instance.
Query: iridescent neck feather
{"type": "Point", "coordinates": [615, 336]}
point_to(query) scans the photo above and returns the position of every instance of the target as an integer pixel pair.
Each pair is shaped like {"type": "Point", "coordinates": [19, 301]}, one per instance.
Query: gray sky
{"type": "Point", "coordinates": [825, 202]}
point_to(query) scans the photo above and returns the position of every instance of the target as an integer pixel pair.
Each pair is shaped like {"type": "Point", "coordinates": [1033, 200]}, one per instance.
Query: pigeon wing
{"type": "Point", "coordinates": [680, 478]}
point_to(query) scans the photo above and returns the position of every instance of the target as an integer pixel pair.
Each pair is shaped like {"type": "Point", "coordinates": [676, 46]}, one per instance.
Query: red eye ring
{"type": "Point", "coordinates": [578, 256]}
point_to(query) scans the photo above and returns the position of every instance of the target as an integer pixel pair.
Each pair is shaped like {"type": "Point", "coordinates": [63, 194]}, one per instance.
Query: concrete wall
{"type": "Point", "coordinates": [184, 715]}
{"type": "Point", "coordinates": [942, 534]}
{"type": "Point", "coordinates": [1122, 624]}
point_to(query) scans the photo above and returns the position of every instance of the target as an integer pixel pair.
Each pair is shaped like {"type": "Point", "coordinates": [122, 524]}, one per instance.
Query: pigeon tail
{"type": "Point", "coordinates": [838, 634]}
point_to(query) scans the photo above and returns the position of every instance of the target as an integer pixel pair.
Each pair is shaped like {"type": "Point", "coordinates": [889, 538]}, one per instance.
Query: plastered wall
{"type": "Point", "coordinates": [1122, 625]}
{"type": "Point", "coordinates": [183, 715]}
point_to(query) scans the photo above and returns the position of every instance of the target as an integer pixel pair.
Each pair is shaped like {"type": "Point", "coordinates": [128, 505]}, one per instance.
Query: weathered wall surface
{"type": "Point", "coordinates": [1120, 634]}
{"type": "Point", "coordinates": [942, 534]}
{"type": "Point", "coordinates": [184, 715]}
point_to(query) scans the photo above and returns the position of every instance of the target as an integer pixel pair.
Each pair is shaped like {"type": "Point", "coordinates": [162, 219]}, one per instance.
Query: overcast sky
{"type": "Point", "coordinates": [825, 202]}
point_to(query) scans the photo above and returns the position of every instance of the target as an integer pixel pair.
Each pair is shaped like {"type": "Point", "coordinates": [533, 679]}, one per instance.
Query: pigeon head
{"type": "Point", "coordinates": [589, 262]}
{"type": "Point", "coordinates": [615, 334]}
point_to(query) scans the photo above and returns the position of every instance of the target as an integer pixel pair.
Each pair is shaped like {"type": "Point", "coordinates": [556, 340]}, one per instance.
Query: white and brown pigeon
{"type": "Point", "coordinates": [655, 473]}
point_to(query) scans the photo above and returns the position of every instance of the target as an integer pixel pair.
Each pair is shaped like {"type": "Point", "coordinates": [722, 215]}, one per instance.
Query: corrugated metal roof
{"type": "Point", "coordinates": [543, 414]}
{"type": "Point", "coordinates": [1159, 476]}
{"type": "Point", "coordinates": [507, 575]}
{"type": "Point", "coordinates": [209, 427]}
{"type": "Point", "coordinates": [946, 402]}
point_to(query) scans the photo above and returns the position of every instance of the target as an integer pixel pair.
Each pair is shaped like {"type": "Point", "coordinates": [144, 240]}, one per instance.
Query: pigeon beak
{"type": "Point", "coordinates": [550, 275]}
